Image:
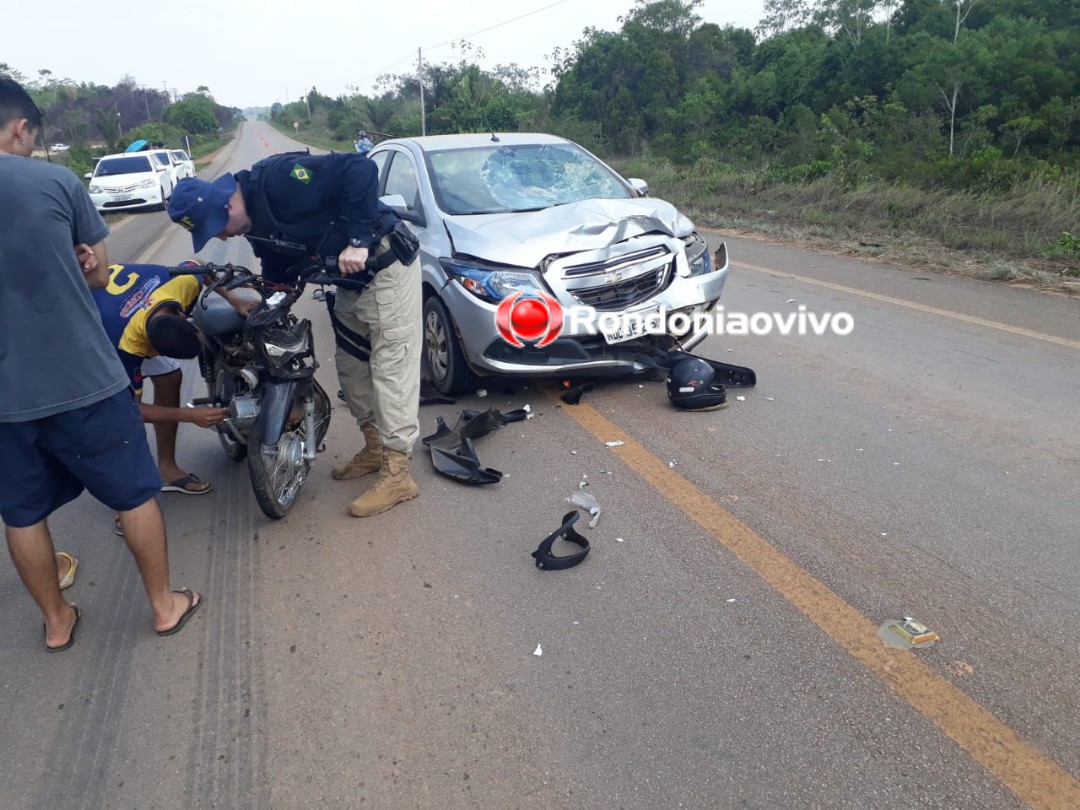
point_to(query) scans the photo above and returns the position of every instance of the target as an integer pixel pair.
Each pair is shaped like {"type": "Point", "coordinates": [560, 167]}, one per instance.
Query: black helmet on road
{"type": "Point", "coordinates": [691, 385]}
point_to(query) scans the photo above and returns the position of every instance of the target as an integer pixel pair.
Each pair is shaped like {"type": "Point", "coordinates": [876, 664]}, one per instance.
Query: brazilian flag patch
{"type": "Point", "coordinates": [300, 173]}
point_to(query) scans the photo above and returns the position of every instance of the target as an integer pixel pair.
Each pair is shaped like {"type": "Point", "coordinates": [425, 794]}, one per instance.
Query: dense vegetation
{"type": "Point", "coordinates": [96, 120]}
{"type": "Point", "coordinates": [954, 120]}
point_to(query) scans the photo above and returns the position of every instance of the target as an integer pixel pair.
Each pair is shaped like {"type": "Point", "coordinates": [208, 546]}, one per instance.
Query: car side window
{"type": "Point", "coordinates": [380, 159]}
{"type": "Point", "coordinates": [401, 179]}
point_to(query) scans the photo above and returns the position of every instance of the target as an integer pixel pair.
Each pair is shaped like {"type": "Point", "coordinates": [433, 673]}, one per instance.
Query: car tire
{"type": "Point", "coordinates": [443, 359]}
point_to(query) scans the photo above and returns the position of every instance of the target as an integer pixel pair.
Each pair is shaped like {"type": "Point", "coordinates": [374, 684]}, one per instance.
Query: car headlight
{"type": "Point", "coordinates": [147, 184]}
{"type": "Point", "coordinates": [697, 255]}
{"type": "Point", "coordinates": [95, 189]}
{"type": "Point", "coordinates": [492, 284]}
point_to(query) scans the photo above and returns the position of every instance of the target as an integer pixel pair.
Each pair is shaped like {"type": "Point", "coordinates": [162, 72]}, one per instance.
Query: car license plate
{"type": "Point", "coordinates": [626, 328]}
{"type": "Point", "coordinates": [122, 197]}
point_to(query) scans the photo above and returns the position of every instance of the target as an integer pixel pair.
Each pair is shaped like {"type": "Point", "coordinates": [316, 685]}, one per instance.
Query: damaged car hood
{"type": "Point", "coordinates": [524, 239]}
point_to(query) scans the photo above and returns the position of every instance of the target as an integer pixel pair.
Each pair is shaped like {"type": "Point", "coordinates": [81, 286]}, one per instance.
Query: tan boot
{"type": "Point", "coordinates": [393, 486]}
{"type": "Point", "coordinates": [366, 461]}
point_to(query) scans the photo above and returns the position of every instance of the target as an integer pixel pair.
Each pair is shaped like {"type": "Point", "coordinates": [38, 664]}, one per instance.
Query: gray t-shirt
{"type": "Point", "coordinates": [54, 353]}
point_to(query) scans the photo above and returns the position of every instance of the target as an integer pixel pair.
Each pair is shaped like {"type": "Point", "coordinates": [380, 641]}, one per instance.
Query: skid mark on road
{"type": "Point", "coordinates": [88, 736]}
{"type": "Point", "coordinates": [944, 313]}
{"type": "Point", "coordinates": [226, 764]}
{"type": "Point", "coordinates": [1025, 770]}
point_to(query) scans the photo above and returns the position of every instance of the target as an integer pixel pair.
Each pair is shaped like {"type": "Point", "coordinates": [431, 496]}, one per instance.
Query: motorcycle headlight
{"type": "Point", "coordinates": [282, 346]}
{"type": "Point", "coordinates": [697, 255]}
{"type": "Point", "coordinates": [492, 283]}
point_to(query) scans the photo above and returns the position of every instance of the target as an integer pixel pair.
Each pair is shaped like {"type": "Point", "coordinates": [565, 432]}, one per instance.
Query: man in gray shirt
{"type": "Point", "coordinates": [68, 418]}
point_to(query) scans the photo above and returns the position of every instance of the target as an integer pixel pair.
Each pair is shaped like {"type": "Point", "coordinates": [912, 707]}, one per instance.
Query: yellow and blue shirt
{"type": "Point", "coordinates": [133, 293]}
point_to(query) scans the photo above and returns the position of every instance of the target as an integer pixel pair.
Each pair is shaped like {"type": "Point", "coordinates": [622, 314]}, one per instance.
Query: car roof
{"type": "Point", "coordinates": [123, 155]}
{"type": "Point", "coordinates": [433, 143]}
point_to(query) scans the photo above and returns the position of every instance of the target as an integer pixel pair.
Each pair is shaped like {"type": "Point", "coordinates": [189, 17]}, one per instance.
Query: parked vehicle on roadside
{"type": "Point", "coordinates": [59, 147]}
{"type": "Point", "coordinates": [185, 166]}
{"type": "Point", "coordinates": [171, 167]}
{"type": "Point", "coordinates": [263, 370]}
{"type": "Point", "coordinates": [127, 181]}
{"type": "Point", "coordinates": [509, 214]}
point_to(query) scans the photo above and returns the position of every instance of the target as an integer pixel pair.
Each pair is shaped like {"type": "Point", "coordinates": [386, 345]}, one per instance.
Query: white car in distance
{"type": "Point", "coordinates": [131, 180]}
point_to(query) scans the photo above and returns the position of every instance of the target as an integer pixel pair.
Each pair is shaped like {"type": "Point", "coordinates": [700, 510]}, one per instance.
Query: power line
{"type": "Point", "coordinates": [463, 37]}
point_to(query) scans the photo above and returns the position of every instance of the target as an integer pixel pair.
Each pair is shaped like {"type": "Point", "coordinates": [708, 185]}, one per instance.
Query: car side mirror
{"type": "Point", "coordinates": [640, 186]}
{"type": "Point", "coordinates": [401, 208]}
{"type": "Point", "coordinates": [89, 175]}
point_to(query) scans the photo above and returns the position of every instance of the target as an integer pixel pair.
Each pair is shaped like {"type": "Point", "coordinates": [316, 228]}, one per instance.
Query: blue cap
{"type": "Point", "coordinates": [202, 207]}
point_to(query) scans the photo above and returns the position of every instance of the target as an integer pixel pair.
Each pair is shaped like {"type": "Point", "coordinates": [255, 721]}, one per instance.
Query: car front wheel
{"type": "Point", "coordinates": [443, 357]}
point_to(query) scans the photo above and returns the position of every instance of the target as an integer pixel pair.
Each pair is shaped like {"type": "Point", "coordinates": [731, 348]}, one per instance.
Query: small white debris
{"type": "Point", "coordinates": [641, 386]}
{"type": "Point", "coordinates": [730, 601]}
{"type": "Point", "coordinates": [859, 449]}
{"type": "Point", "coordinates": [770, 399]}
{"type": "Point", "coordinates": [538, 651]}
{"type": "Point", "coordinates": [884, 534]}
{"type": "Point", "coordinates": [671, 465]}
{"type": "Point", "coordinates": [573, 452]}
{"type": "Point", "coordinates": [896, 463]}
{"type": "Point", "coordinates": [527, 409]}
{"type": "Point", "coordinates": [577, 622]}
{"type": "Point", "coordinates": [615, 444]}
{"type": "Point", "coordinates": [790, 301]}
{"type": "Point", "coordinates": [481, 392]}
{"type": "Point", "coordinates": [741, 399]}
{"type": "Point", "coordinates": [618, 539]}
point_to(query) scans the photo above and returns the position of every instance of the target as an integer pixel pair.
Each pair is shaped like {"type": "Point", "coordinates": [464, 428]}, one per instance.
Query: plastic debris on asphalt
{"type": "Point", "coordinates": [615, 444]}
{"type": "Point", "coordinates": [538, 651]}
{"type": "Point", "coordinates": [907, 634]}
{"type": "Point", "coordinates": [589, 504]}
{"type": "Point", "coordinates": [741, 399]}
{"type": "Point", "coordinates": [481, 392]}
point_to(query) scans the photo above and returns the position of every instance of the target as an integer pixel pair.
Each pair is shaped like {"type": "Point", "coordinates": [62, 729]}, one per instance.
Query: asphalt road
{"type": "Point", "coordinates": [719, 647]}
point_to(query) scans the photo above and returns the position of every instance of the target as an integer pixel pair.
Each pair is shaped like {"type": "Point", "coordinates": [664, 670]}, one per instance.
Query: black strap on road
{"type": "Point", "coordinates": [546, 561]}
{"type": "Point", "coordinates": [346, 339]}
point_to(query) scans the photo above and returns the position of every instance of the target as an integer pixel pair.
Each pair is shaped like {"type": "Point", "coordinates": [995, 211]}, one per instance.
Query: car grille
{"type": "Point", "coordinates": [122, 189]}
{"type": "Point", "coordinates": [628, 280]}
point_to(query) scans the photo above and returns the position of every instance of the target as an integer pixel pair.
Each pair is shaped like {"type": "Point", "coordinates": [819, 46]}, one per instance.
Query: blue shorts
{"type": "Point", "coordinates": [101, 448]}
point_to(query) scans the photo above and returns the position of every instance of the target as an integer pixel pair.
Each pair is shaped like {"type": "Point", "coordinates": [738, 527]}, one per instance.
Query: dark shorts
{"type": "Point", "coordinates": [101, 448]}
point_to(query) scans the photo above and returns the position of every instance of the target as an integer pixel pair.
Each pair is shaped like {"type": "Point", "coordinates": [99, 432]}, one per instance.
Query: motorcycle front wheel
{"type": "Point", "coordinates": [278, 472]}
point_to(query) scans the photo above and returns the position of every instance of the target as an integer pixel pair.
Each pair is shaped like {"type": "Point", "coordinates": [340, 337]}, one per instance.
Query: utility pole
{"type": "Point", "coordinates": [146, 101]}
{"type": "Point", "coordinates": [423, 120]}
{"type": "Point", "coordinates": [307, 101]}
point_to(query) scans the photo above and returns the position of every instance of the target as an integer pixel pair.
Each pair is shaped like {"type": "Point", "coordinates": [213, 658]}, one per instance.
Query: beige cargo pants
{"type": "Point", "coordinates": [385, 389]}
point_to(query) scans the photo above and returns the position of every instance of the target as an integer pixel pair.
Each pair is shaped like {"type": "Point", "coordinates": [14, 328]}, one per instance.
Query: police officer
{"type": "Point", "coordinates": [329, 205]}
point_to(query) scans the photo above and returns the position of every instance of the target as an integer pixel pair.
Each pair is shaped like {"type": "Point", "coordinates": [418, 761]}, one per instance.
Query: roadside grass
{"type": "Point", "coordinates": [1022, 234]}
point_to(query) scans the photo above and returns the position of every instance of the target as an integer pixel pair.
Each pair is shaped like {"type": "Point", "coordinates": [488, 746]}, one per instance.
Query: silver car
{"type": "Point", "coordinates": [532, 249]}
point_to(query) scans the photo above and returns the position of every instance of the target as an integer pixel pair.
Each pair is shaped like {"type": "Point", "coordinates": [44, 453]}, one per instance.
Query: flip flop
{"type": "Point", "coordinates": [69, 578]}
{"type": "Point", "coordinates": [192, 607]}
{"type": "Point", "coordinates": [181, 485]}
{"type": "Point", "coordinates": [71, 638]}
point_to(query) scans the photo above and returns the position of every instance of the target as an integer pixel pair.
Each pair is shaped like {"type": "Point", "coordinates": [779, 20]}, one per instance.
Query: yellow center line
{"type": "Point", "coordinates": [956, 316]}
{"type": "Point", "coordinates": [1025, 770]}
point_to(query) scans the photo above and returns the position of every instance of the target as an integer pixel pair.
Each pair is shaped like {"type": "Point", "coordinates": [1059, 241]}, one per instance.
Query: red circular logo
{"type": "Point", "coordinates": [534, 318]}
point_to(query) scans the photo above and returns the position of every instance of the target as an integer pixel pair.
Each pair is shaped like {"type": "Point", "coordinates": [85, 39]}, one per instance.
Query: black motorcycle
{"type": "Point", "coordinates": [263, 370]}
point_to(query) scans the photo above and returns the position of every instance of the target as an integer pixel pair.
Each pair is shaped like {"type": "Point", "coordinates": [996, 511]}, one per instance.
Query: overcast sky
{"type": "Point", "coordinates": [256, 53]}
